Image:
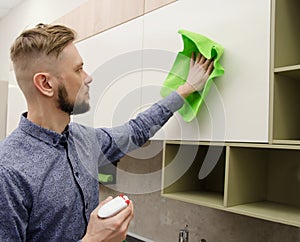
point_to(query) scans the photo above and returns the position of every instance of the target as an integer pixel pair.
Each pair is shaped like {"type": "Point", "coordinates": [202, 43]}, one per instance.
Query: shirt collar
{"type": "Point", "coordinates": [46, 135]}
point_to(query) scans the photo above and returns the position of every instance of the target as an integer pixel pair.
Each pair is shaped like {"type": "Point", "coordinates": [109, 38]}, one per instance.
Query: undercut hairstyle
{"type": "Point", "coordinates": [42, 40]}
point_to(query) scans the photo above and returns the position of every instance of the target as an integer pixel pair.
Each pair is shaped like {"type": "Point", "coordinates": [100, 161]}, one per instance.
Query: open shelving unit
{"type": "Point", "coordinates": [261, 180]}
{"type": "Point", "coordinates": [285, 74]}
{"type": "Point", "coordinates": [258, 180]}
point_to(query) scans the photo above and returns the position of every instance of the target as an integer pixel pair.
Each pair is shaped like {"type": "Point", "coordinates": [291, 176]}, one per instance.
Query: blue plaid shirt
{"type": "Point", "coordinates": [48, 181]}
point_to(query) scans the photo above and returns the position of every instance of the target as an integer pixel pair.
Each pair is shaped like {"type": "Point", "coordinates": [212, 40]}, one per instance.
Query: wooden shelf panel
{"type": "Point", "coordinates": [271, 211]}
{"type": "Point", "coordinates": [151, 5]}
{"type": "Point", "coordinates": [208, 199]}
{"type": "Point", "coordinates": [287, 68]}
{"type": "Point", "coordinates": [286, 142]}
{"type": "Point", "coordinates": [292, 72]}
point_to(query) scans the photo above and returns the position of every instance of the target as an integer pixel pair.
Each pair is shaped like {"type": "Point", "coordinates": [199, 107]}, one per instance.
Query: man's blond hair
{"type": "Point", "coordinates": [47, 40]}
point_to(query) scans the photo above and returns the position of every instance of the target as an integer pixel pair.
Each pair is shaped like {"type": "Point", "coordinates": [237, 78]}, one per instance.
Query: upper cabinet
{"type": "Point", "coordinates": [130, 61]}
{"type": "Point", "coordinates": [95, 16]}
{"type": "Point", "coordinates": [237, 106]}
{"type": "Point", "coordinates": [114, 60]}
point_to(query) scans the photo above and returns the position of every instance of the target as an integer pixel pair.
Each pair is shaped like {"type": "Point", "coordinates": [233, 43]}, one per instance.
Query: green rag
{"type": "Point", "coordinates": [104, 178]}
{"type": "Point", "coordinates": [196, 43]}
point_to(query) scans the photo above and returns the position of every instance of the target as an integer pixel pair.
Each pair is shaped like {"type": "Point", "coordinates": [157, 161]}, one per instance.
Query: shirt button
{"type": "Point", "coordinates": [86, 205]}
{"type": "Point", "coordinates": [77, 174]}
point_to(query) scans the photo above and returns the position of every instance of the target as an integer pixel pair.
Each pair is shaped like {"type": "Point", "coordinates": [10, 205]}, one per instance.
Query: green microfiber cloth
{"type": "Point", "coordinates": [104, 178]}
{"type": "Point", "coordinates": [196, 43]}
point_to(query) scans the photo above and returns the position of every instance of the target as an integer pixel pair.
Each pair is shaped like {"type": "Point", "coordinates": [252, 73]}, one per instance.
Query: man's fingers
{"type": "Point", "coordinates": [125, 213]}
{"type": "Point", "coordinates": [193, 56]}
{"type": "Point", "coordinates": [129, 218]}
{"type": "Point", "coordinates": [210, 67]}
{"type": "Point", "coordinates": [206, 64]}
{"type": "Point", "coordinates": [202, 59]}
{"type": "Point", "coordinates": [192, 61]}
{"type": "Point", "coordinates": [198, 57]}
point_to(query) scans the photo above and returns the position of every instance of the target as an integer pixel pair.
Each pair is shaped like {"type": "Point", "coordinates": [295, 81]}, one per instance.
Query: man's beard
{"type": "Point", "coordinates": [68, 107]}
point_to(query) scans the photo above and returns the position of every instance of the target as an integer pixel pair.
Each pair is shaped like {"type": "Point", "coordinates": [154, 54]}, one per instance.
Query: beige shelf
{"type": "Point", "coordinates": [287, 142]}
{"type": "Point", "coordinates": [266, 210]}
{"type": "Point", "coordinates": [292, 72]}
{"type": "Point", "coordinates": [208, 199]}
{"type": "Point", "coordinates": [287, 68]}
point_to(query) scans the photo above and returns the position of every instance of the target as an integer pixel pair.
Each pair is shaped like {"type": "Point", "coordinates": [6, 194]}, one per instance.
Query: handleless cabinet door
{"type": "Point", "coordinates": [113, 59]}
{"type": "Point", "coordinates": [237, 106]}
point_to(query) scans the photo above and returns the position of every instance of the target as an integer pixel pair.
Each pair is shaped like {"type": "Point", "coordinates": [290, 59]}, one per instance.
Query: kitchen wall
{"type": "Point", "coordinates": [3, 108]}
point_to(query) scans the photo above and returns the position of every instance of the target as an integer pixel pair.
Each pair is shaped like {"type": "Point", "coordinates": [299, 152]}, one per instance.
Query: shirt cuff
{"type": "Point", "coordinates": [173, 102]}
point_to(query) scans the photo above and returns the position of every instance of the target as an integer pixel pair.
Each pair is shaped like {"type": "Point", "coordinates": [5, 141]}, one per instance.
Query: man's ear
{"type": "Point", "coordinates": [42, 82]}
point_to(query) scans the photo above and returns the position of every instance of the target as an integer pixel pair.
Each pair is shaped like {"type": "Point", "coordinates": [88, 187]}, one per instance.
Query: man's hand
{"type": "Point", "coordinates": [113, 229]}
{"type": "Point", "coordinates": [200, 69]}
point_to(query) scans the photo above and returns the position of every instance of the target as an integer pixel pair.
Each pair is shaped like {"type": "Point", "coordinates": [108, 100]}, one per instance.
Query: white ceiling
{"type": "Point", "coordinates": [7, 5]}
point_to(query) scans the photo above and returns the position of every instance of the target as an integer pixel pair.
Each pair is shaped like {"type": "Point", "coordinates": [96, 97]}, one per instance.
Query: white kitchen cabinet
{"type": "Point", "coordinates": [237, 106]}
{"type": "Point", "coordinates": [114, 59]}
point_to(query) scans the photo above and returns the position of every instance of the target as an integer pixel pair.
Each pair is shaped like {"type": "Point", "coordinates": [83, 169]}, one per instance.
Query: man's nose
{"type": "Point", "coordinates": [88, 79]}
